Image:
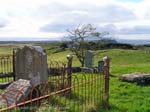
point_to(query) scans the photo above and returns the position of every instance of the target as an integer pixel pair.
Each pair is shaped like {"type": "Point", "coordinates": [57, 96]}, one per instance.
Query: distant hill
{"type": "Point", "coordinates": [135, 42]}
{"type": "Point", "coordinates": [47, 40]}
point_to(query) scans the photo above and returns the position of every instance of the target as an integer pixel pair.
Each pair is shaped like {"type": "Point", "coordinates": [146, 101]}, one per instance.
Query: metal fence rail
{"type": "Point", "coordinates": [56, 67]}
{"type": "Point", "coordinates": [6, 68]}
{"type": "Point", "coordinates": [7, 73]}
{"type": "Point", "coordinates": [86, 93]}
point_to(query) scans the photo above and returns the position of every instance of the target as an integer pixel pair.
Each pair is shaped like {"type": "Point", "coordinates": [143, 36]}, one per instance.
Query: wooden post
{"type": "Point", "coordinates": [69, 71]}
{"type": "Point", "coordinates": [106, 60]}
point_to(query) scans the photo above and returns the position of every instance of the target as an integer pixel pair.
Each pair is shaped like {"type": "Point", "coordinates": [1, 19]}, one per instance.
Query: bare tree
{"type": "Point", "coordinates": [78, 37]}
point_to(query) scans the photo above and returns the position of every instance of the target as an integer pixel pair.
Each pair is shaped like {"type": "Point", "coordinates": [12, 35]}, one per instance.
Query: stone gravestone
{"type": "Point", "coordinates": [16, 92]}
{"type": "Point", "coordinates": [89, 58]}
{"type": "Point", "coordinates": [139, 78]}
{"type": "Point", "coordinates": [100, 66]}
{"type": "Point", "coordinates": [30, 70]}
{"type": "Point", "coordinates": [31, 64]}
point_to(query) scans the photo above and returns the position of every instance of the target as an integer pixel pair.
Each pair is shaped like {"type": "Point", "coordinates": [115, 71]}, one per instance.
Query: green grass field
{"type": "Point", "coordinates": [124, 96]}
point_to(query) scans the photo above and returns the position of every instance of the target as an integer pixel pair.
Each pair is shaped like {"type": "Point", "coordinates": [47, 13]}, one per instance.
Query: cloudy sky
{"type": "Point", "coordinates": [49, 19]}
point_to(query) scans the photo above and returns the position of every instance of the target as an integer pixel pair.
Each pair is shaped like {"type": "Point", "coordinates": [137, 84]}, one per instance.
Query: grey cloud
{"type": "Point", "coordinates": [63, 22]}
{"type": "Point", "coordinates": [62, 27]}
{"type": "Point", "coordinates": [2, 23]}
{"type": "Point", "coordinates": [140, 29]}
{"type": "Point", "coordinates": [66, 17]}
{"type": "Point", "coordinates": [111, 28]}
{"type": "Point", "coordinates": [117, 13]}
{"type": "Point", "coordinates": [147, 15]}
{"type": "Point", "coordinates": [136, 30]}
{"type": "Point", "coordinates": [107, 13]}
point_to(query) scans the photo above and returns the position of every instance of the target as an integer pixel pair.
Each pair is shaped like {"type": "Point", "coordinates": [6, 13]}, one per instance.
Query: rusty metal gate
{"type": "Point", "coordinates": [65, 91]}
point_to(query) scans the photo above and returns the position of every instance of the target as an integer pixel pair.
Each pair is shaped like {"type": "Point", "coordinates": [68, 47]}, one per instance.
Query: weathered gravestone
{"type": "Point", "coordinates": [100, 66]}
{"type": "Point", "coordinates": [89, 58]}
{"type": "Point", "coordinates": [31, 64]}
{"type": "Point", "coordinates": [140, 78]}
{"type": "Point", "coordinates": [16, 92]}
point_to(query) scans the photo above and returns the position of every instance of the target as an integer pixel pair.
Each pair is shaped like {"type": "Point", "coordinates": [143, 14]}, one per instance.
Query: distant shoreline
{"type": "Point", "coordinates": [127, 41]}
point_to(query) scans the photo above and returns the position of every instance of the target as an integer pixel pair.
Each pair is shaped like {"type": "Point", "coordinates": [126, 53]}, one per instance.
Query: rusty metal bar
{"type": "Point", "coordinates": [6, 71]}
{"type": "Point", "coordinates": [48, 95]}
{"type": "Point", "coordinates": [13, 65]}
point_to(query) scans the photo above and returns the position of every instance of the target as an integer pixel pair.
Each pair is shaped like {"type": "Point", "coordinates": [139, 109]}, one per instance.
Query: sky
{"type": "Point", "coordinates": [49, 19]}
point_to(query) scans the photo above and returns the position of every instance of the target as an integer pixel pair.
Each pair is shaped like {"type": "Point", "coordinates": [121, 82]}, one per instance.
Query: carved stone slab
{"type": "Point", "coordinates": [35, 80]}
{"type": "Point", "coordinates": [16, 92]}
{"type": "Point", "coordinates": [100, 66]}
{"type": "Point", "coordinates": [31, 61]}
{"type": "Point", "coordinates": [140, 78]}
{"type": "Point", "coordinates": [89, 58]}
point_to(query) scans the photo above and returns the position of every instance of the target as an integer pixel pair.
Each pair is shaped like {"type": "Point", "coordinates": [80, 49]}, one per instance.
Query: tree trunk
{"type": "Point", "coordinates": [82, 64]}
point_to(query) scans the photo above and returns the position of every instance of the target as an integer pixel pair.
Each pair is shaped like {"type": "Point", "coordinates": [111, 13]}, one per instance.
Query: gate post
{"type": "Point", "coordinates": [69, 71]}
{"type": "Point", "coordinates": [106, 60]}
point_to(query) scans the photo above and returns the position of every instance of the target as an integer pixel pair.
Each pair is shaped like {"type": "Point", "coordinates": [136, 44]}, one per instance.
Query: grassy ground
{"type": "Point", "coordinates": [124, 97]}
